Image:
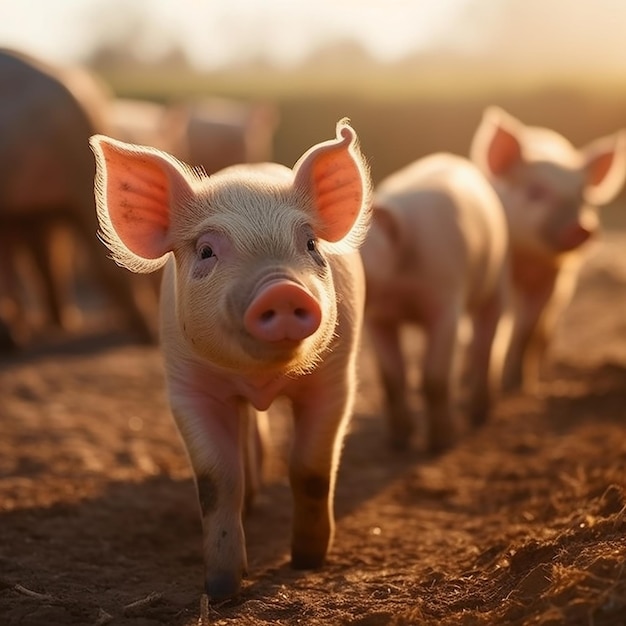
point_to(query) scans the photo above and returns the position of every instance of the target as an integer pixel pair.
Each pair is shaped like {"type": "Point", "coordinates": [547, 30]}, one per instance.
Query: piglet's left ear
{"type": "Point", "coordinates": [605, 168]}
{"type": "Point", "coordinates": [334, 177]}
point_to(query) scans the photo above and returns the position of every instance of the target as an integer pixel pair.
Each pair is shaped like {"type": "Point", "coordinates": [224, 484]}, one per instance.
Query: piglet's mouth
{"type": "Point", "coordinates": [283, 355]}
{"type": "Point", "coordinates": [572, 237]}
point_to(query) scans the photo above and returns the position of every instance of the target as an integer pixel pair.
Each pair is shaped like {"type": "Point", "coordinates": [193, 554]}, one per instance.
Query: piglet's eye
{"type": "Point", "coordinates": [205, 251]}
{"type": "Point", "coordinates": [536, 193]}
{"type": "Point", "coordinates": [311, 245]}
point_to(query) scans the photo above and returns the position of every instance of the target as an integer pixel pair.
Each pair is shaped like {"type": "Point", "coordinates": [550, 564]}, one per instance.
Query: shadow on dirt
{"type": "Point", "coordinates": [82, 344]}
{"type": "Point", "coordinates": [145, 536]}
{"type": "Point", "coordinates": [580, 395]}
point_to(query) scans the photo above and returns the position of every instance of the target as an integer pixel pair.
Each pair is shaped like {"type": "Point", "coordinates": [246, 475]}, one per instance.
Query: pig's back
{"type": "Point", "coordinates": [454, 219]}
{"type": "Point", "coordinates": [45, 160]}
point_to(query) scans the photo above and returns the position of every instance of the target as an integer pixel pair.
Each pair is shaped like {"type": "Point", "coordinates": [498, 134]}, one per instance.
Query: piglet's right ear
{"type": "Point", "coordinates": [135, 187]}
{"type": "Point", "coordinates": [496, 146]}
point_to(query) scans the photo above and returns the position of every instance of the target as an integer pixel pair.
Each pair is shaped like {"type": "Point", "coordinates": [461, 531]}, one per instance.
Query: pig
{"type": "Point", "coordinates": [550, 192]}
{"type": "Point", "coordinates": [214, 133]}
{"type": "Point", "coordinates": [436, 253]}
{"type": "Point", "coordinates": [140, 122]}
{"type": "Point", "coordinates": [262, 296]}
{"type": "Point", "coordinates": [47, 115]}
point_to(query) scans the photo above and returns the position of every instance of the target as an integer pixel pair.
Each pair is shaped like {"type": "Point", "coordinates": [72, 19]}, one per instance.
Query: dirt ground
{"type": "Point", "coordinates": [524, 522]}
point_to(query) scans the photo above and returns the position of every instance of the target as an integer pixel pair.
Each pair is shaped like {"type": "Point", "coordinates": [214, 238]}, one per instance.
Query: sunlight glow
{"type": "Point", "coordinates": [214, 33]}
{"type": "Point", "coordinates": [544, 34]}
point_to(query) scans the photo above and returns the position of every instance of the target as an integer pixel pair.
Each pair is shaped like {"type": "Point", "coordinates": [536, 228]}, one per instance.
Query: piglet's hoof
{"type": "Point", "coordinates": [8, 345]}
{"type": "Point", "coordinates": [400, 436]}
{"type": "Point", "coordinates": [440, 442]}
{"type": "Point", "coordinates": [221, 586]}
{"type": "Point", "coordinates": [306, 560]}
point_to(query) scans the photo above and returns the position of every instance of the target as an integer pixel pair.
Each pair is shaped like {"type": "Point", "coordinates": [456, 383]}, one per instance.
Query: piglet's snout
{"type": "Point", "coordinates": [282, 310]}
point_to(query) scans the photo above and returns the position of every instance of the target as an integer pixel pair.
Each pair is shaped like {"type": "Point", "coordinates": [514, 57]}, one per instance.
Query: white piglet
{"type": "Point", "coordinates": [435, 253]}
{"type": "Point", "coordinates": [262, 296]}
{"type": "Point", "coordinates": [550, 192]}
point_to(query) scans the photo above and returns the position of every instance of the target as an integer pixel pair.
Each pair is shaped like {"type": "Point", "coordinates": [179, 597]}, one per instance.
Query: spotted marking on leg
{"type": "Point", "coordinates": [207, 493]}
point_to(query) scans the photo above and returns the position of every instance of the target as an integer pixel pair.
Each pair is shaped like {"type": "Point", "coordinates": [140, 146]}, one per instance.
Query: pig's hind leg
{"type": "Point", "coordinates": [391, 364]}
{"type": "Point", "coordinates": [485, 357]}
{"type": "Point", "coordinates": [256, 446]}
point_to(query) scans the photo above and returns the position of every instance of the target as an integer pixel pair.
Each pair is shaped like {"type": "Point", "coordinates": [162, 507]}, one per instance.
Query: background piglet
{"type": "Point", "coordinates": [436, 251]}
{"type": "Point", "coordinates": [262, 296]}
{"type": "Point", "coordinates": [550, 192]}
{"type": "Point", "coordinates": [214, 133]}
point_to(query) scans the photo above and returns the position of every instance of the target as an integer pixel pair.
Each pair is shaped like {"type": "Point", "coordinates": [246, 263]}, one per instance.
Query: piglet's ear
{"type": "Point", "coordinates": [334, 176]}
{"type": "Point", "coordinates": [135, 187]}
{"type": "Point", "coordinates": [496, 146]}
{"type": "Point", "coordinates": [605, 168]}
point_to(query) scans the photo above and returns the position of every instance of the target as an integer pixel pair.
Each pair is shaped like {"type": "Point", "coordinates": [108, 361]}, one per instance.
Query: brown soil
{"type": "Point", "coordinates": [524, 522]}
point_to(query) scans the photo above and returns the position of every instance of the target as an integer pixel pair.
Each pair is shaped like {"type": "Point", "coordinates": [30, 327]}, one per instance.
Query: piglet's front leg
{"type": "Point", "coordinates": [320, 423]}
{"type": "Point", "coordinates": [441, 341]}
{"type": "Point", "coordinates": [528, 341]}
{"type": "Point", "coordinates": [213, 436]}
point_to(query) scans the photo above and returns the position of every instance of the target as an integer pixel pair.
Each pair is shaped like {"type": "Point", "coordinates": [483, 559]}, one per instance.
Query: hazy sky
{"type": "Point", "coordinates": [217, 31]}
{"type": "Point", "coordinates": [588, 34]}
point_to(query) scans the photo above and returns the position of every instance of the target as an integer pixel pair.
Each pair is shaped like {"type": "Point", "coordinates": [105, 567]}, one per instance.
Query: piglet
{"type": "Point", "coordinates": [262, 296]}
{"type": "Point", "coordinates": [436, 252]}
{"type": "Point", "coordinates": [550, 192]}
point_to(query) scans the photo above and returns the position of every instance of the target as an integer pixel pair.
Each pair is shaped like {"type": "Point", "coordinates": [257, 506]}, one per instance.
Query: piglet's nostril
{"type": "Point", "coordinates": [268, 315]}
